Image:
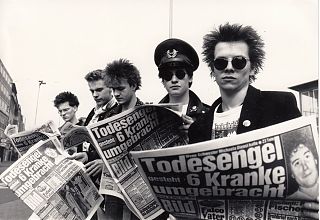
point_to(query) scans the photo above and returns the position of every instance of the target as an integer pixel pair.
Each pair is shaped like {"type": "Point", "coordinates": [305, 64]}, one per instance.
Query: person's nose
{"type": "Point", "coordinates": [95, 94]}
{"type": "Point", "coordinates": [116, 92]}
{"type": "Point", "coordinates": [174, 78]}
{"type": "Point", "coordinates": [305, 165]}
{"type": "Point", "coordinates": [229, 68]}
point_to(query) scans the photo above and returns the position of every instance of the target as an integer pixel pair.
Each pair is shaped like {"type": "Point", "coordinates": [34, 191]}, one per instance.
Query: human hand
{"type": "Point", "coordinates": [94, 167]}
{"type": "Point", "coordinates": [81, 156]}
{"type": "Point", "coordinates": [187, 121]}
{"type": "Point", "coordinates": [71, 151]}
{"type": "Point", "coordinates": [311, 209]}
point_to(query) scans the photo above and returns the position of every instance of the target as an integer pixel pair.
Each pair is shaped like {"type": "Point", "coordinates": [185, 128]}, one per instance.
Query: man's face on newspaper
{"type": "Point", "coordinates": [304, 166]}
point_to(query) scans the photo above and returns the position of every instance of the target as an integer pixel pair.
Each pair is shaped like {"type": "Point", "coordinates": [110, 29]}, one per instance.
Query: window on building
{"type": "Point", "coordinates": [309, 103]}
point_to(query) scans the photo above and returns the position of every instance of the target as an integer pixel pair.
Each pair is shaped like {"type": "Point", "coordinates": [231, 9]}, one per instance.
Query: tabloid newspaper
{"type": "Point", "coordinates": [23, 141]}
{"type": "Point", "coordinates": [52, 185]}
{"type": "Point", "coordinates": [140, 128]}
{"type": "Point", "coordinates": [255, 175]}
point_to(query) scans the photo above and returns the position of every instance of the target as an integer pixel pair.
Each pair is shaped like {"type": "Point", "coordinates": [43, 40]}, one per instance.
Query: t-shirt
{"type": "Point", "coordinates": [225, 124]}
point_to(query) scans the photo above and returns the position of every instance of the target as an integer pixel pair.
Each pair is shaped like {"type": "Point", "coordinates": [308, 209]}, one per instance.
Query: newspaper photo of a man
{"type": "Point", "coordinates": [75, 200]}
{"type": "Point", "coordinates": [302, 159]}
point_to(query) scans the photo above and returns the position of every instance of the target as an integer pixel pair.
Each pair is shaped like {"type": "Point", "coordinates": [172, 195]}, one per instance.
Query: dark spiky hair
{"type": "Point", "coordinates": [123, 69]}
{"type": "Point", "coordinates": [66, 97]}
{"type": "Point", "coordinates": [235, 33]}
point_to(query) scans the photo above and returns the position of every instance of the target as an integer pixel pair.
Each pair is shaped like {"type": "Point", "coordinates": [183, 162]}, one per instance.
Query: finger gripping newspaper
{"type": "Point", "coordinates": [52, 185]}
{"type": "Point", "coordinates": [265, 168]}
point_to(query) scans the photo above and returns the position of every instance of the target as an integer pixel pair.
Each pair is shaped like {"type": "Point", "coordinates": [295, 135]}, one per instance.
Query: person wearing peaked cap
{"type": "Point", "coordinates": [176, 53]}
{"type": "Point", "coordinates": [176, 61]}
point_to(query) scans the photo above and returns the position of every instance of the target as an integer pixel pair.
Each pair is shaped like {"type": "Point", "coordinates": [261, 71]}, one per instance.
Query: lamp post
{"type": "Point", "coordinates": [41, 82]}
{"type": "Point", "coordinates": [170, 18]}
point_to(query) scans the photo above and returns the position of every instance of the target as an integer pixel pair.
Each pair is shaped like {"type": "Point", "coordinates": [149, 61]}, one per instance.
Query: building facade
{"type": "Point", "coordinates": [10, 113]}
{"type": "Point", "coordinates": [309, 100]}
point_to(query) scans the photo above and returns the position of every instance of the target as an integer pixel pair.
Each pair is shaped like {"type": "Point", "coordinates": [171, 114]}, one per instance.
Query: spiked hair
{"type": "Point", "coordinates": [235, 33]}
{"type": "Point", "coordinates": [123, 69]}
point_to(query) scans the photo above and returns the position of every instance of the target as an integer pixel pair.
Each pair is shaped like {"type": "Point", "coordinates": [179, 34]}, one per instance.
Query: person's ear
{"type": "Point", "coordinates": [134, 87]}
{"type": "Point", "coordinates": [190, 79]}
{"type": "Point", "coordinates": [75, 108]}
{"type": "Point", "coordinates": [251, 72]}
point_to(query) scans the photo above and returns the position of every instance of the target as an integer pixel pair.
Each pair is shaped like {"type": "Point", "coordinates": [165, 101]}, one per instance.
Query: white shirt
{"type": "Point", "coordinates": [98, 111]}
{"type": "Point", "coordinates": [225, 123]}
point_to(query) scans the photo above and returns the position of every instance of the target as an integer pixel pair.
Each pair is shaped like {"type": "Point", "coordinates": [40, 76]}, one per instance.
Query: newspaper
{"type": "Point", "coordinates": [212, 178]}
{"type": "Point", "coordinates": [140, 128]}
{"type": "Point", "coordinates": [52, 185]}
{"type": "Point", "coordinates": [23, 141]}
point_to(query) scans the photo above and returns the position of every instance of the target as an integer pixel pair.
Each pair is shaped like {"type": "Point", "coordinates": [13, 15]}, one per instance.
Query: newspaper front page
{"type": "Point", "coordinates": [23, 141]}
{"type": "Point", "coordinates": [258, 171]}
{"type": "Point", "coordinates": [141, 128]}
{"type": "Point", "coordinates": [53, 186]}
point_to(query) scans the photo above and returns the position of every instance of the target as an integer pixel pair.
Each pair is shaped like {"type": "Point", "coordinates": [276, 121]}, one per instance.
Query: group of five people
{"type": "Point", "coordinates": [235, 55]}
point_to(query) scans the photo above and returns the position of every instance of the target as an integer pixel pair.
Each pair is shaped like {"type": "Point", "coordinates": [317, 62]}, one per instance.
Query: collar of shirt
{"type": "Point", "coordinates": [106, 107]}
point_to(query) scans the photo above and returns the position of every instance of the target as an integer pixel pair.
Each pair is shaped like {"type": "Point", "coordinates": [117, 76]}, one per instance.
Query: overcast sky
{"type": "Point", "coordinates": [59, 41]}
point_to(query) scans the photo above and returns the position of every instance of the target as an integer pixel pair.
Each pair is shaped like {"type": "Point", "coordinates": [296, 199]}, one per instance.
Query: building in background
{"type": "Point", "coordinates": [10, 112]}
{"type": "Point", "coordinates": [308, 94]}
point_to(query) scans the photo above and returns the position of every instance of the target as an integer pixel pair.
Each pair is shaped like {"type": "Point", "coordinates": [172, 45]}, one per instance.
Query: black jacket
{"type": "Point", "coordinates": [260, 109]}
{"type": "Point", "coordinates": [92, 153]}
{"type": "Point", "coordinates": [195, 107]}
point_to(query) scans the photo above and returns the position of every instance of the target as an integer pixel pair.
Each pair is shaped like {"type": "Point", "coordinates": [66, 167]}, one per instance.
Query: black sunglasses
{"type": "Point", "coordinates": [167, 75]}
{"type": "Point", "coordinates": [238, 62]}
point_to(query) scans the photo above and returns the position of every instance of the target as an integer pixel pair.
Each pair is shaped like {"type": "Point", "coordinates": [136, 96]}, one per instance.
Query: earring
{"type": "Point", "coordinates": [213, 77]}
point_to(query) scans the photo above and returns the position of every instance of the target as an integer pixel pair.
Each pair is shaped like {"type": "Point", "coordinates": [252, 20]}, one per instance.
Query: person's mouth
{"type": "Point", "coordinates": [228, 78]}
{"type": "Point", "coordinates": [174, 87]}
{"type": "Point", "coordinates": [307, 173]}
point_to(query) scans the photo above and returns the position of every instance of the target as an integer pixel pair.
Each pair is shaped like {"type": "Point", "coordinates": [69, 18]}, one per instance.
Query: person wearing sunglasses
{"type": "Point", "coordinates": [235, 55]}
{"type": "Point", "coordinates": [176, 61]}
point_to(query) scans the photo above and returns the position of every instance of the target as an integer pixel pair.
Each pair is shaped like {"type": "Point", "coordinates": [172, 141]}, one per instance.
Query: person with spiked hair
{"type": "Point", "coordinates": [124, 79]}
{"type": "Point", "coordinates": [235, 55]}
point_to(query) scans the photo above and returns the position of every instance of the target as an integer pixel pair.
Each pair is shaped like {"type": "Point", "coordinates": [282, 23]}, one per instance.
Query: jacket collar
{"type": "Point", "coordinates": [195, 106]}
{"type": "Point", "coordinates": [250, 113]}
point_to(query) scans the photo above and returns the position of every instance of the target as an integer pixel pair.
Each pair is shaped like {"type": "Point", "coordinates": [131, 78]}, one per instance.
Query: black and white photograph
{"type": "Point", "coordinates": [232, 67]}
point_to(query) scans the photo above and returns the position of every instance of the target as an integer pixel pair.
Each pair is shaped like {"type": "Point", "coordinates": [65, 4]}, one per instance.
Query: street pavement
{"type": "Point", "coordinates": [11, 207]}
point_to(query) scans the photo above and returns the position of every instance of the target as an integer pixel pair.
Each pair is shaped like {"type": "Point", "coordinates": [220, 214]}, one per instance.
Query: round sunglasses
{"type": "Point", "coordinates": [238, 62]}
{"type": "Point", "coordinates": [167, 75]}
